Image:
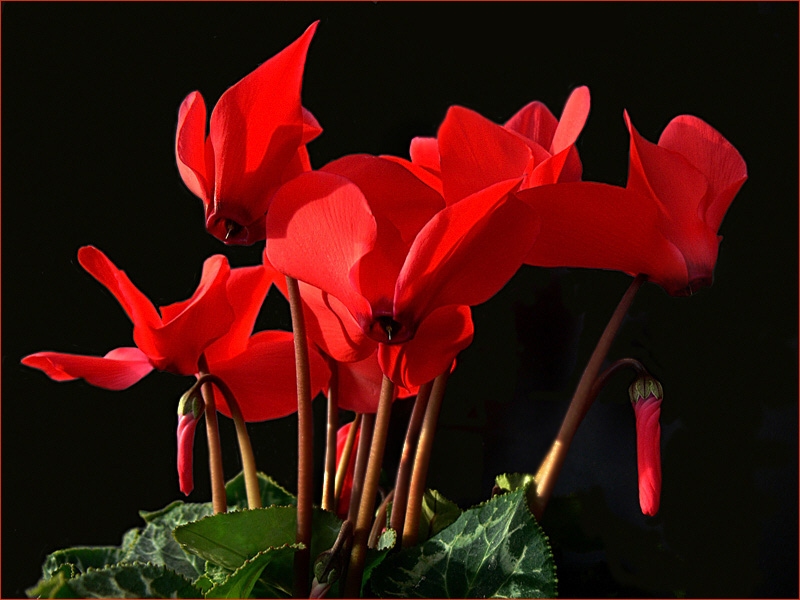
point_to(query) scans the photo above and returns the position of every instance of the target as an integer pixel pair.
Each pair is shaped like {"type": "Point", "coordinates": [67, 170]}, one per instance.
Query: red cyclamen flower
{"type": "Point", "coordinates": [646, 395]}
{"type": "Point", "coordinates": [471, 152]}
{"type": "Point", "coordinates": [663, 224]}
{"type": "Point", "coordinates": [256, 141]}
{"type": "Point", "coordinates": [397, 268]}
{"type": "Point", "coordinates": [215, 323]}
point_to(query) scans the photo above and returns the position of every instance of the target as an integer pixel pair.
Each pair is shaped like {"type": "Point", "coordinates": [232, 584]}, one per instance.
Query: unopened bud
{"type": "Point", "coordinates": [644, 387]}
{"type": "Point", "coordinates": [191, 403]}
{"type": "Point", "coordinates": [646, 395]}
{"type": "Point", "coordinates": [190, 409]}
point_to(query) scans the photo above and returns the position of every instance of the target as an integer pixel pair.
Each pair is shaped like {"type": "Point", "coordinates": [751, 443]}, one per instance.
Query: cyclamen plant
{"type": "Point", "coordinates": [381, 259]}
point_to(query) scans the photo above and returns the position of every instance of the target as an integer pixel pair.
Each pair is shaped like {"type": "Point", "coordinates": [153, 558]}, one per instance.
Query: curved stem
{"type": "Point", "coordinates": [245, 448]}
{"type": "Point", "coordinates": [603, 378]}
{"type": "Point", "coordinates": [218, 498]}
{"type": "Point", "coordinates": [305, 433]}
{"type": "Point", "coordinates": [329, 479]}
{"type": "Point", "coordinates": [344, 460]}
{"type": "Point", "coordinates": [422, 460]}
{"type": "Point", "coordinates": [404, 469]}
{"type": "Point", "coordinates": [358, 555]}
{"type": "Point", "coordinates": [550, 468]}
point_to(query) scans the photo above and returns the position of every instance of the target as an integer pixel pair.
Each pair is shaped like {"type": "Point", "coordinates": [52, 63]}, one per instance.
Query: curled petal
{"type": "Point", "coordinates": [117, 370]}
{"type": "Point", "coordinates": [195, 158]}
{"type": "Point", "coordinates": [438, 340]}
{"type": "Point", "coordinates": [572, 120]}
{"type": "Point", "coordinates": [535, 122]}
{"type": "Point", "coordinates": [714, 156]}
{"type": "Point", "coordinates": [187, 424]}
{"type": "Point", "coordinates": [424, 151]}
{"type": "Point", "coordinates": [648, 452]}
{"type": "Point", "coordinates": [476, 153]}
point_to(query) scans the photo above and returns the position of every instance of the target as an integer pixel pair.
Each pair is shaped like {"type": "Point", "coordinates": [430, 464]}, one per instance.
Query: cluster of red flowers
{"type": "Point", "coordinates": [392, 253]}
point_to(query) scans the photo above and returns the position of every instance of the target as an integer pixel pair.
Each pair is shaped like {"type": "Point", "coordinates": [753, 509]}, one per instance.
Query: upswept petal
{"type": "Point", "coordinates": [311, 127]}
{"type": "Point", "coordinates": [669, 178]}
{"type": "Point", "coordinates": [648, 452]}
{"type": "Point", "coordinates": [360, 385]}
{"type": "Point", "coordinates": [476, 153]}
{"type": "Point", "coordinates": [599, 226]}
{"type": "Point", "coordinates": [195, 166]}
{"type": "Point", "coordinates": [192, 325]}
{"type": "Point", "coordinates": [430, 177]}
{"type": "Point", "coordinates": [117, 370]}
{"type": "Point", "coordinates": [318, 227]}
{"type": "Point", "coordinates": [439, 338]}
{"type": "Point", "coordinates": [263, 378]}
{"type": "Point", "coordinates": [465, 254]}
{"type": "Point", "coordinates": [714, 156]}
{"type": "Point", "coordinates": [246, 289]}
{"type": "Point", "coordinates": [258, 124]}
{"type": "Point", "coordinates": [535, 122]}
{"type": "Point", "coordinates": [573, 118]}
{"type": "Point", "coordinates": [550, 170]}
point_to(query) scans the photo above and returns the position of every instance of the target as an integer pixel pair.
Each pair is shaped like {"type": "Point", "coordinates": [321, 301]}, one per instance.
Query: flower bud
{"type": "Point", "coordinates": [646, 394]}
{"type": "Point", "coordinates": [190, 409]}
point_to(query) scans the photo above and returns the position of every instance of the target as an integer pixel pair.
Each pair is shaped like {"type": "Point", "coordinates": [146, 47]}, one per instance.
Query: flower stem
{"type": "Point", "coordinates": [305, 433]}
{"type": "Point", "coordinates": [245, 448]}
{"type": "Point", "coordinates": [219, 500]}
{"type": "Point", "coordinates": [329, 479]}
{"type": "Point", "coordinates": [344, 460]}
{"type": "Point", "coordinates": [581, 401]}
{"type": "Point", "coordinates": [360, 468]}
{"type": "Point", "coordinates": [365, 511]}
{"type": "Point", "coordinates": [422, 460]}
{"type": "Point", "coordinates": [403, 480]}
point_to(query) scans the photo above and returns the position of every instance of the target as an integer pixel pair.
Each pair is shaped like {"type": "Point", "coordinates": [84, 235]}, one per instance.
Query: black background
{"type": "Point", "coordinates": [89, 107]}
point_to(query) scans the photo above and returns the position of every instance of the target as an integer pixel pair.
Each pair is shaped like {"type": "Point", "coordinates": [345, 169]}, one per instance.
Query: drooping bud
{"type": "Point", "coordinates": [646, 394]}
{"type": "Point", "coordinates": [190, 409]}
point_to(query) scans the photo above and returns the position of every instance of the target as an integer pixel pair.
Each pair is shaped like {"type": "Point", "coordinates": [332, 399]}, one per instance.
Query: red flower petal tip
{"type": "Point", "coordinates": [646, 396]}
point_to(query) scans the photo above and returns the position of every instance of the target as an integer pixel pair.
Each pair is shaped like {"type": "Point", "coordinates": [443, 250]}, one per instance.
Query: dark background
{"type": "Point", "coordinates": [89, 106]}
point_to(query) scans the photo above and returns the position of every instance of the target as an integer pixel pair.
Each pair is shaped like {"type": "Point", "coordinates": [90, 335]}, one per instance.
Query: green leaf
{"type": "Point", "coordinates": [511, 482]}
{"type": "Point", "coordinates": [437, 514]}
{"type": "Point", "coordinates": [240, 583]}
{"type": "Point", "coordinates": [132, 581]}
{"type": "Point", "coordinates": [495, 550]}
{"type": "Point", "coordinates": [53, 585]}
{"type": "Point", "coordinates": [387, 540]}
{"type": "Point", "coordinates": [272, 493]}
{"type": "Point", "coordinates": [81, 559]}
{"type": "Point", "coordinates": [155, 544]}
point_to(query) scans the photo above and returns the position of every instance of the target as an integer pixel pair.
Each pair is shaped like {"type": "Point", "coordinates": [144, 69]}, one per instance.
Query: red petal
{"type": "Point", "coordinates": [648, 453]}
{"type": "Point", "coordinates": [599, 226]}
{"type": "Point", "coordinates": [477, 153]}
{"type": "Point", "coordinates": [535, 122]}
{"type": "Point", "coordinates": [318, 227]}
{"type": "Point", "coordinates": [139, 309]}
{"type": "Point", "coordinates": [246, 289]}
{"type": "Point", "coordinates": [383, 182]}
{"type": "Point", "coordinates": [573, 118]}
{"type": "Point", "coordinates": [465, 254]}
{"type": "Point", "coordinates": [187, 425]}
{"type": "Point", "coordinates": [311, 127]}
{"type": "Point", "coordinates": [117, 370]}
{"type": "Point", "coordinates": [256, 128]}
{"type": "Point", "coordinates": [360, 384]}
{"type": "Point", "coordinates": [439, 338]}
{"type": "Point", "coordinates": [430, 177]}
{"type": "Point", "coordinates": [714, 156]}
{"type": "Point", "coordinates": [424, 151]}
{"type": "Point", "coordinates": [263, 378]}
{"type": "Point", "coordinates": [195, 166]}
{"type": "Point", "coordinates": [192, 325]}
{"type": "Point", "coordinates": [667, 176]}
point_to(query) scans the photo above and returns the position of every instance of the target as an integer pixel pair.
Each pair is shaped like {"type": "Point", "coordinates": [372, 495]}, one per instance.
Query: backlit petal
{"type": "Point", "coordinates": [535, 122]}
{"type": "Point", "coordinates": [572, 120]}
{"type": "Point", "coordinates": [476, 153]}
{"type": "Point", "coordinates": [190, 147]}
{"type": "Point", "coordinates": [117, 370]}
